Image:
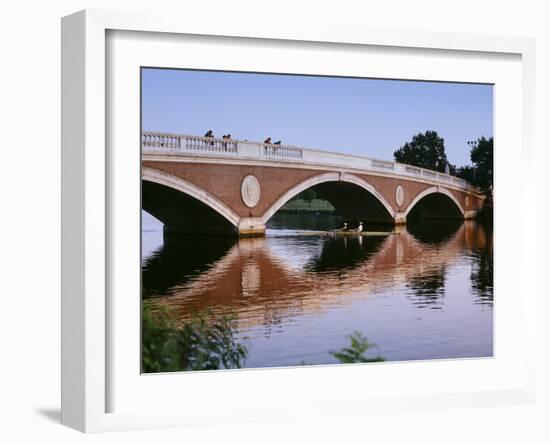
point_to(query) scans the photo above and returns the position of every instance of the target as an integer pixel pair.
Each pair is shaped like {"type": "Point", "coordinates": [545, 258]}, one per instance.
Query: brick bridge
{"type": "Point", "coordinates": [216, 186]}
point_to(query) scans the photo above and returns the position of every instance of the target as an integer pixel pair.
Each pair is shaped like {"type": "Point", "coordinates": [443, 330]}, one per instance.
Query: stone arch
{"type": "Point", "coordinates": [431, 190]}
{"type": "Point", "coordinates": [183, 186]}
{"type": "Point", "coordinates": [324, 178]}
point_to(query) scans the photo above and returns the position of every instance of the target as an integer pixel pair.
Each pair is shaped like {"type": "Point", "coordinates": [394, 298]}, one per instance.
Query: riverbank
{"type": "Point", "coordinates": [314, 205]}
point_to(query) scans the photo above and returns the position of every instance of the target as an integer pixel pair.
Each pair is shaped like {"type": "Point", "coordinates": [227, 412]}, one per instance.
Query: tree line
{"type": "Point", "coordinates": [427, 150]}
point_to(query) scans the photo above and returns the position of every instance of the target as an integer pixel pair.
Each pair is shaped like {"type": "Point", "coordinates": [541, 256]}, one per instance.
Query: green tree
{"type": "Point", "coordinates": [482, 157]}
{"type": "Point", "coordinates": [202, 343]}
{"type": "Point", "coordinates": [359, 344]}
{"type": "Point", "coordinates": [308, 195]}
{"type": "Point", "coordinates": [425, 150]}
{"type": "Point", "coordinates": [466, 173]}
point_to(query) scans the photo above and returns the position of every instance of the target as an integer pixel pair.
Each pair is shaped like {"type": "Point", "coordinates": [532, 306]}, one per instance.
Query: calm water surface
{"type": "Point", "coordinates": [422, 292]}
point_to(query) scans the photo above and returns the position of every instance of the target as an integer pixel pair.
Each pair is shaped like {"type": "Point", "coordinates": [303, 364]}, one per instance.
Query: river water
{"type": "Point", "coordinates": [420, 292]}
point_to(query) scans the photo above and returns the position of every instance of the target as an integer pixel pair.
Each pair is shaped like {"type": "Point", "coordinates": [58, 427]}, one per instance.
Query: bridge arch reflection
{"type": "Point", "coordinates": [262, 279]}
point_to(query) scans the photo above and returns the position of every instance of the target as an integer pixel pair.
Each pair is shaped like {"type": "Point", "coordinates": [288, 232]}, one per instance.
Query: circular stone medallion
{"type": "Point", "coordinates": [399, 195]}
{"type": "Point", "coordinates": [250, 191]}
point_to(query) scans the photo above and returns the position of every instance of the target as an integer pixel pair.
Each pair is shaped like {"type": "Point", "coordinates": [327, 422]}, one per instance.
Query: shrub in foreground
{"type": "Point", "coordinates": [202, 343]}
{"type": "Point", "coordinates": [359, 345]}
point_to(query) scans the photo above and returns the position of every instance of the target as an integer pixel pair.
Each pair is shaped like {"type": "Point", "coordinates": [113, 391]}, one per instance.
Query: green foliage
{"type": "Point", "coordinates": [482, 157]}
{"type": "Point", "coordinates": [307, 196]}
{"type": "Point", "coordinates": [359, 345]}
{"type": "Point", "coordinates": [207, 343]}
{"type": "Point", "coordinates": [466, 173]}
{"type": "Point", "coordinates": [425, 150]}
{"type": "Point", "coordinates": [203, 343]}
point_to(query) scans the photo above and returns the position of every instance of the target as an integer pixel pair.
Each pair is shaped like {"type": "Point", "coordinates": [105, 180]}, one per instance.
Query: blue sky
{"type": "Point", "coordinates": [359, 116]}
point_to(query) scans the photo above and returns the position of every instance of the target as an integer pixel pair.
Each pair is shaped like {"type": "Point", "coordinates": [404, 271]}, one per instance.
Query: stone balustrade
{"type": "Point", "coordinates": [177, 144]}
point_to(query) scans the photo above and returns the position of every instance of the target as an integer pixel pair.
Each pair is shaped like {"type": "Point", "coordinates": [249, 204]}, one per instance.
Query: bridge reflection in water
{"type": "Point", "coordinates": [423, 291]}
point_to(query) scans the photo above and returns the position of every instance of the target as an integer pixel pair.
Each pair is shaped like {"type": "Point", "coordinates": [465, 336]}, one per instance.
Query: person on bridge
{"type": "Point", "coordinates": [267, 140]}
{"type": "Point", "coordinates": [209, 134]}
{"type": "Point", "coordinates": [226, 137]}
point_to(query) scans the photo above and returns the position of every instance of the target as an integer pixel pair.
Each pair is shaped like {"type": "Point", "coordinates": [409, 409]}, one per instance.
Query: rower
{"type": "Point", "coordinates": [344, 228]}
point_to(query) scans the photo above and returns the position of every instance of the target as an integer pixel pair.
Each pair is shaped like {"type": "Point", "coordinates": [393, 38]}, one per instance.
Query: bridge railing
{"type": "Point", "coordinates": [282, 151]}
{"type": "Point", "coordinates": [153, 142]}
{"type": "Point", "coordinates": [433, 175]}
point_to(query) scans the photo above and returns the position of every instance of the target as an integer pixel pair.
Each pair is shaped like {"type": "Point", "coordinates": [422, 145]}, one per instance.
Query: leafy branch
{"type": "Point", "coordinates": [359, 345]}
{"type": "Point", "coordinates": [202, 343]}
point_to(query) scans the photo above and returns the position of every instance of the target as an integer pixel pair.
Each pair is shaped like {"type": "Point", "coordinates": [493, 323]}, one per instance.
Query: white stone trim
{"type": "Point", "coordinates": [250, 191]}
{"type": "Point", "coordinates": [323, 178]}
{"type": "Point", "coordinates": [204, 159]}
{"type": "Point", "coordinates": [430, 190]}
{"type": "Point", "coordinates": [192, 145]}
{"type": "Point", "coordinates": [168, 180]}
{"type": "Point", "coordinates": [399, 195]}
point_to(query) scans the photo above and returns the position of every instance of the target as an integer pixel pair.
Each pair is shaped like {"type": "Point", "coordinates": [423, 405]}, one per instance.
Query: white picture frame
{"type": "Point", "coordinates": [87, 210]}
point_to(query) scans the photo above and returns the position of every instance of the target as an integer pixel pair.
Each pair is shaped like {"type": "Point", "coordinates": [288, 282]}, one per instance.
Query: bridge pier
{"type": "Point", "coordinates": [400, 218]}
{"type": "Point", "coordinates": [251, 227]}
{"type": "Point", "coordinates": [245, 227]}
